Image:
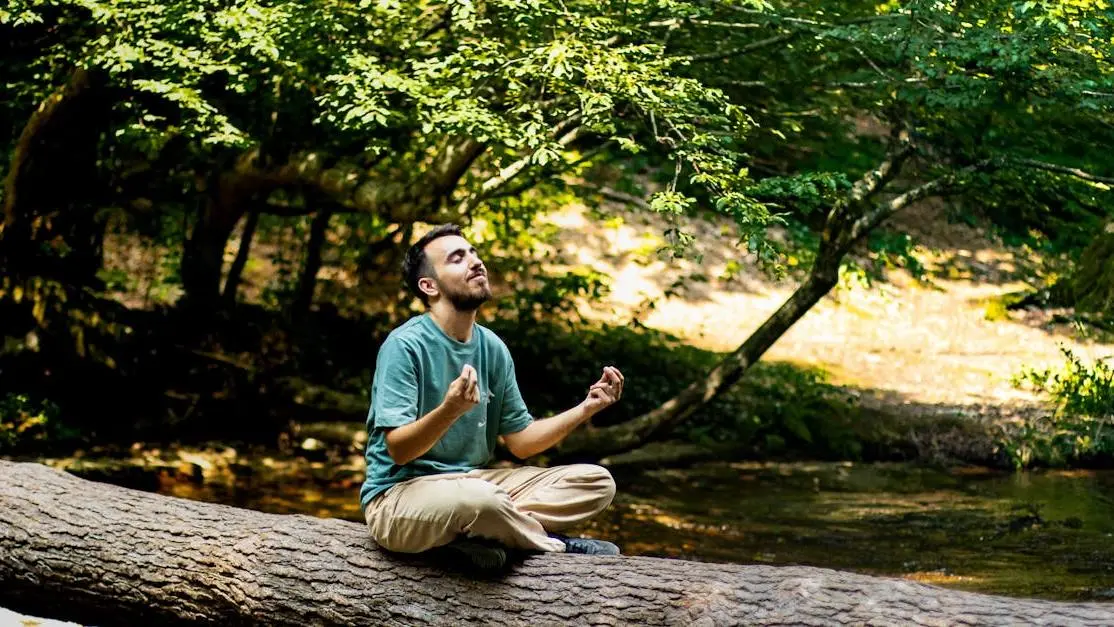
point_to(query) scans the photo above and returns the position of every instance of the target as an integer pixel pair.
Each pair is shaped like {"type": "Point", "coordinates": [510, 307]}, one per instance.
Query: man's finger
{"type": "Point", "coordinates": [618, 375]}
{"type": "Point", "coordinates": [614, 383]}
{"type": "Point", "coordinates": [611, 375]}
{"type": "Point", "coordinates": [602, 392]}
{"type": "Point", "coordinates": [619, 382]}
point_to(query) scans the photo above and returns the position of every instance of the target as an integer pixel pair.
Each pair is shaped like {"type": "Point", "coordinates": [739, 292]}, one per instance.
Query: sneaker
{"type": "Point", "coordinates": [587, 546]}
{"type": "Point", "coordinates": [477, 555]}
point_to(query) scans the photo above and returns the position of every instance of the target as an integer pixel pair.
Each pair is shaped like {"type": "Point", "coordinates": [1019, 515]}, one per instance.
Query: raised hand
{"type": "Point", "coordinates": [606, 391]}
{"type": "Point", "coordinates": [463, 393]}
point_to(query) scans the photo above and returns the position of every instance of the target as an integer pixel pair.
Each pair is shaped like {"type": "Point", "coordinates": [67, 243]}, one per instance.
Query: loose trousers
{"type": "Point", "coordinates": [513, 506]}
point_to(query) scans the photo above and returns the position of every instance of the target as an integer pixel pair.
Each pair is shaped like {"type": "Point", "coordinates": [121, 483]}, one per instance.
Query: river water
{"type": "Point", "coordinates": [1046, 534]}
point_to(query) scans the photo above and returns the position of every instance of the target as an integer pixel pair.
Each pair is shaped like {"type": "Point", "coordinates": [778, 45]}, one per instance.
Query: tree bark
{"type": "Point", "coordinates": [236, 272]}
{"type": "Point", "coordinates": [307, 282]}
{"type": "Point", "coordinates": [51, 229]}
{"type": "Point", "coordinates": [1092, 286]}
{"type": "Point", "coordinates": [847, 224]}
{"type": "Point", "coordinates": [589, 443]}
{"type": "Point", "coordinates": [78, 550]}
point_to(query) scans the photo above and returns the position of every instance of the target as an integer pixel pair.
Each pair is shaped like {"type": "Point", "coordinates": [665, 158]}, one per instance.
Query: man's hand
{"type": "Point", "coordinates": [547, 432]}
{"type": "Point", "coordinates": [463, 393]}
{"type": "Point", "coordinates": [411, 441]}
{"type": "Point", "coordinates": [605, 392]}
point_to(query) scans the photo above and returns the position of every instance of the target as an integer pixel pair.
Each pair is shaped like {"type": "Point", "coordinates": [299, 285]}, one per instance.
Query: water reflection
{"type": "Point", "coordinates": [1041, 534]}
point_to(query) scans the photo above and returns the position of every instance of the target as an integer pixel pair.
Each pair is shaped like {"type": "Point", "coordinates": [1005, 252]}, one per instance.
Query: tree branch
{"type": "Point", "coordinates": [1061, 169]}
{"type": "Point", "coordinates": [618, 196]}
{"type": "Point", "coordinates": [868, 185]}
{"type": "Point", "coordinates": [79, 82]}
{"type": "Point", "coordinates": [880, 212]}
{"type": "Point", "coordinates": [807, 26]}
{"type": "Point", "coordinates": [507, 174]}
{"type": "Point", "coordinates": [734, 52]}
{"type": "Point", "coordinates": [359, 190]}
{"type": "Point", "coordinates": [800, 20]}
{"type": "Point", "coordinates": [526, 184]}
{"type": "Point", "coordinates": [712, 23]}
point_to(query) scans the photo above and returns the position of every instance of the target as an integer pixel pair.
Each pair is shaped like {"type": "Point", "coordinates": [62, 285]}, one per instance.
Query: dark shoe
{"type": "Point", "coordinates": [587, 546]}
{"type": "Point", "coordinates": [477, 555]}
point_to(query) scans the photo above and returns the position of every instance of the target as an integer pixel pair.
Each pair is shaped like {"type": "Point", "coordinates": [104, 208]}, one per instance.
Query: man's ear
{"type": "Point", "coordinates": [428, 286]}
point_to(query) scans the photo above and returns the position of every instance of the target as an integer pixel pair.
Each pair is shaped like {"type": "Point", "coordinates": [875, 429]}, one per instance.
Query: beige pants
{"type": "Point", "coordinates": [513, 506]}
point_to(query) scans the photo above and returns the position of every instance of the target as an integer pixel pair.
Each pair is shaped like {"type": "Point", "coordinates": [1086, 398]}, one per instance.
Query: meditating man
{"type": "Point", "coordinates": [444, 391]}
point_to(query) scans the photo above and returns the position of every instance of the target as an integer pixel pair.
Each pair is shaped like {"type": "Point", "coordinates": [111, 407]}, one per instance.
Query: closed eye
{"type": "Point", "coordinates": [458, 254]}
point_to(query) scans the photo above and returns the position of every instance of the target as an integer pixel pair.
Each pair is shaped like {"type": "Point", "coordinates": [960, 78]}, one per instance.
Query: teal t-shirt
{"type": "Point", "coordinates": [415, 366]}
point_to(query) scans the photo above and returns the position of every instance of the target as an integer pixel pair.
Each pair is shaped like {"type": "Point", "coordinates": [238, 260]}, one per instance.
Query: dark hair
{"type": "Point", "coordinates": [416, 265]}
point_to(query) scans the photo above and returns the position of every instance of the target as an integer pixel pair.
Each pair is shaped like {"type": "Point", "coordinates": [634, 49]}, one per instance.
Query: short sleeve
{"type": "Point", "coordinates": [394, 394]}
{"type": "Point", "coordinates": [514, 417]}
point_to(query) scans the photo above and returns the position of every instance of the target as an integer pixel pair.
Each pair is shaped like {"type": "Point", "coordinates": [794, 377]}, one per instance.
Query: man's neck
{"type": "Point", "coordinates": [456, 324]}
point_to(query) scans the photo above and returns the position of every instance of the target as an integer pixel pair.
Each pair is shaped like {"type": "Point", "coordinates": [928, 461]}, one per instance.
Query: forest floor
{"type": "Point", "coordinates": [943, 345]}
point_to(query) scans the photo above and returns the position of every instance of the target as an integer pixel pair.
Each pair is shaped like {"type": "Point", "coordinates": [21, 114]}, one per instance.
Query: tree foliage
{"type": "Point", "coordinates": [376, 115]}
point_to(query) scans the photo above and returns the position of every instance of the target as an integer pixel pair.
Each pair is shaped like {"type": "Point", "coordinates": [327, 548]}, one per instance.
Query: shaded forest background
{"type": "Point", "coordinates": [205, 205]}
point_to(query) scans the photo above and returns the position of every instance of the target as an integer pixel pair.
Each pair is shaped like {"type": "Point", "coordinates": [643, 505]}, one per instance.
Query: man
{"type": "Point", "coordinates": [444, 391]}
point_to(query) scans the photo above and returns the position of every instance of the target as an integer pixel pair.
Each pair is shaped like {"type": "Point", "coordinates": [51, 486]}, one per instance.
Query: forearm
{"type": "Point", "coordinates": [545, 433]}
{"type": "Point", "coordinates": [409, 442]}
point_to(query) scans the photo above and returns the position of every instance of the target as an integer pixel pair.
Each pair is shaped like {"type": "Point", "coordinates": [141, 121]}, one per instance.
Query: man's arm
{"type": "Point", "coordinates": [411, 441]}
{"type": "Point", "coordinates": [543, 434]}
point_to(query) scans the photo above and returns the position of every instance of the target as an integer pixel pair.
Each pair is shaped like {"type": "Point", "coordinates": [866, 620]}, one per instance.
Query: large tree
{"type": "Point", "coordinates": [838, 116]}
{"type": "Point", "coordinates": [207, 114]}
{"type": "Point", "coordinates": [404, 111]}
{"type": "Point", "coordinates": [956, 97]}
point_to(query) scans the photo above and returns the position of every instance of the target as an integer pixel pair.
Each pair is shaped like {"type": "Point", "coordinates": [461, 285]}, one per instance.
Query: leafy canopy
{"type": "Point", "coordinates": [389, 85]}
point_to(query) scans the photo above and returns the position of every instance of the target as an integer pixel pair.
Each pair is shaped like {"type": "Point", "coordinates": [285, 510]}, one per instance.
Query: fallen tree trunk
{"type": "Point", "coordinates": [91, 552]}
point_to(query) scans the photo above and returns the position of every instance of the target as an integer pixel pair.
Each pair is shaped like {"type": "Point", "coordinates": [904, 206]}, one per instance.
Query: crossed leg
{"type": "Point", "coordinates": [514, 506]}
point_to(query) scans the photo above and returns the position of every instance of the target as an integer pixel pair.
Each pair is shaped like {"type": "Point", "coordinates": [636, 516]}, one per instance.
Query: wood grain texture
{"type": "Point", "coordinates": [97, 553]}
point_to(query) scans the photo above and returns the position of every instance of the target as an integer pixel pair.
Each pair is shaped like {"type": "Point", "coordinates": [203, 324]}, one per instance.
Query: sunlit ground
{"type": "Point", "coordinates": [906, 347]}
{"type": "Point", "coordinates": [913, 347]}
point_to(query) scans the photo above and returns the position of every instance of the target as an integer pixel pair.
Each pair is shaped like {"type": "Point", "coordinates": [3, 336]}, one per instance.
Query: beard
{"type": "Point", "coordinates": [468, 299]}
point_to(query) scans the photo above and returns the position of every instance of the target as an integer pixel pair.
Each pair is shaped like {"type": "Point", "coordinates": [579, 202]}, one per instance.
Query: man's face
{"type": "Point", "coordinates": [459, 274]}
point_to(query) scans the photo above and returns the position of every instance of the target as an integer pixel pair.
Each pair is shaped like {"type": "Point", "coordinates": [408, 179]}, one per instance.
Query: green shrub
{"type": "Point", "coordinates": [776, 408]}
{"type": "Point", "coordinates": [1081, 426]}
{"type": "Point", "coordinates": [24, 422]}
